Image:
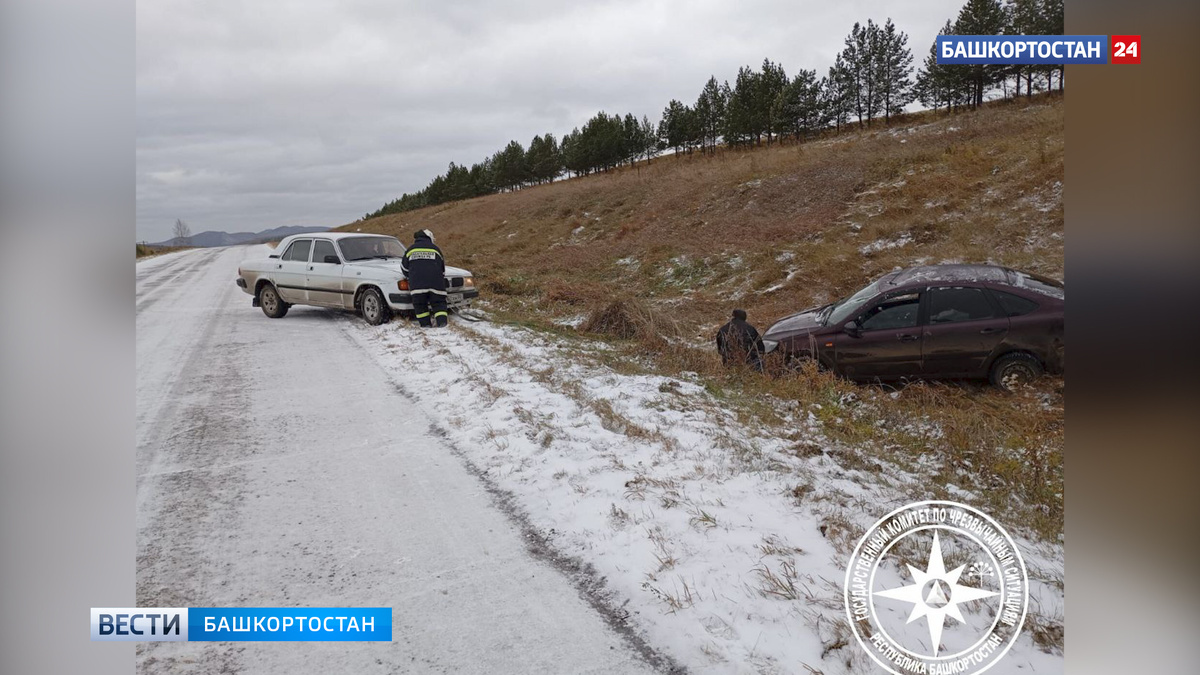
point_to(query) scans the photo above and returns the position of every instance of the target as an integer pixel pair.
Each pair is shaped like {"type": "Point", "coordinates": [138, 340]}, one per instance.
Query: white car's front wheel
{"type": "Point", "coordinates": [373, 308]}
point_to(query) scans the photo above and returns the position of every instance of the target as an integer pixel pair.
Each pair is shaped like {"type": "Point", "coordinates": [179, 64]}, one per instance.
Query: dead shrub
{"type": "Point", "coordinates": [631, 320]}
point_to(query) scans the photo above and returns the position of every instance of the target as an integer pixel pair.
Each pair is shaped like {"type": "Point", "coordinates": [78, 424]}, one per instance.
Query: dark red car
{"type": "Point", "coordinates": [935, 321]}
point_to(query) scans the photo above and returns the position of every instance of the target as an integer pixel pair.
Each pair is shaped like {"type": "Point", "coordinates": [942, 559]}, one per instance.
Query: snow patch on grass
{"type": "Point", "coordinates": [883, 244]}
{"type": "Point", "coordinates": [574, 321]}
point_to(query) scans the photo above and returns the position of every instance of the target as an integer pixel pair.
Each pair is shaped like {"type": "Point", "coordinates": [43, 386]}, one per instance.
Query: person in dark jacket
{"type": "Point", "coordinates": [425, 269]}
{"type": "Point", "coordinates": [738, 342]}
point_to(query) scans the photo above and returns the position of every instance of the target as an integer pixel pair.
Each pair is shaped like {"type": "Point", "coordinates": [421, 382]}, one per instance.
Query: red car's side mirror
{"type": "Point", "coordinates": [852, 329]}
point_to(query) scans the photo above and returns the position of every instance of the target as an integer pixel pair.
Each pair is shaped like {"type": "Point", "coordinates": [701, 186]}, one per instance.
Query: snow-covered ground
{"type": "Point", "coordinates": [725, 544]}
{"type": "Point", "coordinates": [523, 507]}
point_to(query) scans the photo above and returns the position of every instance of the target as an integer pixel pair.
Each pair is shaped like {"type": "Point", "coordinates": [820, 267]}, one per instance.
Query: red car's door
{"type": "Point", "coordinates": [888, 342]}
{"type": "Point", "coordinates": [964, 327]}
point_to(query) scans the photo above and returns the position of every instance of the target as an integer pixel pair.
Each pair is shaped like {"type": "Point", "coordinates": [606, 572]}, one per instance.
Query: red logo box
{"type": "Point", "coordinates": [1126, 48]}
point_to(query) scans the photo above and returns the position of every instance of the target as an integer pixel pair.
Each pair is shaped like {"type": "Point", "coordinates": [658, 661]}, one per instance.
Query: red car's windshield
{"type": "Point", "coordinates": [842, 309]}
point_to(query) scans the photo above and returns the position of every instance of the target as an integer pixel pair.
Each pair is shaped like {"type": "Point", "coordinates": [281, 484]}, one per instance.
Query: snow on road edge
{"type": "Point", "coordinates": [687, 514]}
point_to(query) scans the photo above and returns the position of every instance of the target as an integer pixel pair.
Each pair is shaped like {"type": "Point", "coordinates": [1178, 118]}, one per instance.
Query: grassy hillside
{"type": "Point", "coordinates": [653, 258]}
{"type": "Point", "coordinates": [770, 229]}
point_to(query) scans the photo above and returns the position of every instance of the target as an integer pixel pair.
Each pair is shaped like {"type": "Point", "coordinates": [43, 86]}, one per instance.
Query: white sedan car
{"type": "Point", "coordinates": [343, 270]}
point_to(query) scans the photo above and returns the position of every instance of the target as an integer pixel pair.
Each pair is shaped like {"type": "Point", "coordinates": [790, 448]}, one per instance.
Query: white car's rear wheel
{"type": "Point", "coordinates": [272, 305]}
{"type": "Point", "coordinates": [373, 308]}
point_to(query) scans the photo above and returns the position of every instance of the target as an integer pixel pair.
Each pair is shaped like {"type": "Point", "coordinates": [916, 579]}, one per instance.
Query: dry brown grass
{"type": "Point", "coordinates": [654, 257]}
{"type": "Point", "coordinates": [151, 251]}
{"type": "Point", "coordinates": [769, 229]}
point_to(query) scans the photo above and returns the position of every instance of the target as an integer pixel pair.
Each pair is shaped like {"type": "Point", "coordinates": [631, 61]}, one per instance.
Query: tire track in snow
{"type": "Point", "coordinates": [160, 286]}
{"type": "Point", "coordinates": [590, 584]}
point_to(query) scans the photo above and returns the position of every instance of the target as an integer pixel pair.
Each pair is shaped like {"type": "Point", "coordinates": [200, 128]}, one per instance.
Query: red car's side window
{"type": "Point", "coordinates": [951, 305]}
{"type": "Point", "coordinates": [1014, 305]}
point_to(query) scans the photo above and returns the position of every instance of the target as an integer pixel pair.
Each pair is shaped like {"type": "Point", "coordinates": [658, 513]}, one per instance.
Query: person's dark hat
{"type": "Point", "coordinates": [739, 314]}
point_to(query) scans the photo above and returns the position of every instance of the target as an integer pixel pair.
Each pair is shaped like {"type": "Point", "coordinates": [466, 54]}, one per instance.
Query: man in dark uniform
{"type": "Point", "coordinates": [739, 342]}
{"type": "Point", "coordinates": [426, 272]}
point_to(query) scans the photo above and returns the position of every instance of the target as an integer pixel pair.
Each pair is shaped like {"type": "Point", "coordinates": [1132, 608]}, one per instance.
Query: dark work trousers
{"type": "Point", "coordinates": [429, 306]}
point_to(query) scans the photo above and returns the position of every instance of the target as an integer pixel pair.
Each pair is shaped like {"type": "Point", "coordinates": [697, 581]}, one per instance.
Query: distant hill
{"type": "Point", "coordinates": [210, 238]}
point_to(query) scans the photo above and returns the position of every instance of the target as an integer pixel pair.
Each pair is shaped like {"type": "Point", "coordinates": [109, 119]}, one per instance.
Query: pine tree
{"type": "Point", "coordinates": [861, 61]}
{"type": "Point", "coordinates": [603, 139]}
{"type": "Point", "coordinates": [534, 157]}
{"type": "Point", "coordinates": [770, 84]}
{"type": "Point", "coordinates": [1053, 23]}
{"type": "Point", "coordinates": [941, 84]}
{"type": "Point", "coordinates": [710, 112]}
{"type": "Point", "coordinates": [838, 94]}
{"type": "Point", "coordinates": [894, 66]}
{"type": "Point", "coordinates": [631, 145]}
{"type": "Point", "coordinates": [572, 153]}
{"type": "Point", "coordinates": [482, 182]}
{"type": "Point", "coordinates": [800, 104]}
{"type": "Point", "coordinates": [1024, 17]}
{"type": "Point", "coordinates": [511, 169]}
{"type": "Point", "coordinates": [741, 125]}
{"type": "Point", "coordinates": [649, 136]}
{"type": "Point", "coordinates": [673, 127]}
{"type": "Point", "coordinates": [981, 17]}
{"type": "Point", "coordinates": [544, 159]}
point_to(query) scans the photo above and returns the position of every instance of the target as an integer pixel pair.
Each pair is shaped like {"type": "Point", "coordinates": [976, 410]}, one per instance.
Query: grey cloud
{"type": "Point", "coordinates": [257, 114]}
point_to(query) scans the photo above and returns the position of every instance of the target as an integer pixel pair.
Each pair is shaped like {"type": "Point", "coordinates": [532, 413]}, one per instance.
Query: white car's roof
{"type": "Point", "coordinates": [332, 235]}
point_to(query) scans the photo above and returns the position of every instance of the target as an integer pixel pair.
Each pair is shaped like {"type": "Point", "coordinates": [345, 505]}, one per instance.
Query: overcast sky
{"type": "Point", "coordinates": [257, 114]}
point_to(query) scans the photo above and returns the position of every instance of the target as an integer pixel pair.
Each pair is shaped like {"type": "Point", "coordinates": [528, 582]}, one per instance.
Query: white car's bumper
{"type": "Point", "coordinates": [455, 298]}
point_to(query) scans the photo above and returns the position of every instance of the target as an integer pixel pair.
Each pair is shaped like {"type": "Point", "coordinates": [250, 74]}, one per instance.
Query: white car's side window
{"type": "Point", "coordinates": [298, 251]}
{"type": "Point", "coordinates": [321, 250]}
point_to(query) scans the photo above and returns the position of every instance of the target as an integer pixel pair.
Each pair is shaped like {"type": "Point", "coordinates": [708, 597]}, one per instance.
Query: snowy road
{"type": "Point", "coordinates": [279, 465]}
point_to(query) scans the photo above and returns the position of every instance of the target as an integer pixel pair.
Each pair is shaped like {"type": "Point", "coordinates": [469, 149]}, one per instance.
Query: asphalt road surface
{"type": "Point", "coordinates": [279, 466]}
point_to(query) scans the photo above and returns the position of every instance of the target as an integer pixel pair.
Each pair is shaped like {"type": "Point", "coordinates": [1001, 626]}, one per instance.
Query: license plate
{"type": "Point", "coordinates": [454, 298]}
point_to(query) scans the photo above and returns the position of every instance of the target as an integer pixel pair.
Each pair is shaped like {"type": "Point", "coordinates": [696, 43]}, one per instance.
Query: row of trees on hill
{"type": "Point", "coordinates": [871, 79]}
